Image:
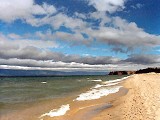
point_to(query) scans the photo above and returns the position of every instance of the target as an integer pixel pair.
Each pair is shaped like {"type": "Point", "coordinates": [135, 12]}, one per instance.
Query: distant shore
{"type": "Point", "coordinates": [141, 71]}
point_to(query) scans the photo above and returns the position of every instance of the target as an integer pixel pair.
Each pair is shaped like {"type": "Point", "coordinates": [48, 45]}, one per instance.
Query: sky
{"type": "Point", "coordinates": [79, 35]}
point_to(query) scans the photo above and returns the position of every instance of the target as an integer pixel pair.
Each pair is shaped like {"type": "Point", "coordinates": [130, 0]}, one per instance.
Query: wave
{"type": "Point", "coordinates": [101, 90]}
{"type": "Point", "coordinates": [97, 93]}
{"type": "Point", "coordinates": [43, 82]}
{"type": "Point", "coordinates": [105, 85]}
{"type": "Point", "coordinates": [117, 80]}
{"type": "Point", "coordinates": [99, 80]}
{"type": "Point", "coordinates": [57, 112]}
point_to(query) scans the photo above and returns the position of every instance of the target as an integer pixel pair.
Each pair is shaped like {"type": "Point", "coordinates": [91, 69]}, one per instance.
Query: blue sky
{"type": "Point", "coordinates": [69, 35]}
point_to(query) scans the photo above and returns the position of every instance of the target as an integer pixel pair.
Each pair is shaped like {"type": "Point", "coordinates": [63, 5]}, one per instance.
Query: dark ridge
{"type": "Point", "coordinates": [148, 70]}
{"type": "Point", "coordinates": [121, 73]}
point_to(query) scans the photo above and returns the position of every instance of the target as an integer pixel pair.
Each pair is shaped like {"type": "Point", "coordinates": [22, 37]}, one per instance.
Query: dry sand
{"type": "Point", "coordinates": [142, 101]}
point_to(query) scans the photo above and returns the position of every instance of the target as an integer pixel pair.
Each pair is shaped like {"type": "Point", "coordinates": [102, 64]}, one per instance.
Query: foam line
{"type": "Point", "coordinates": [99, 80]}
{"type": "Point", "coordinates": [97, 93]}
{"type": "Point", "coordinates": [57, 112]}
{"type": "Point", "coordinates": [44, 82]}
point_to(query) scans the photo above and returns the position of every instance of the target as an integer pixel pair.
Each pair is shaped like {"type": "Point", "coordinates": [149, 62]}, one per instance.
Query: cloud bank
{"type": "Point", "coordinates": [35, 50]}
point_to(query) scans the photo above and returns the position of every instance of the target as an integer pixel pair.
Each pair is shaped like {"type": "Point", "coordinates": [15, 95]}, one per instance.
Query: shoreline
{"type": "Point", "coordinates": [142, 102]}
{"type": "Point", "coordinates": [89, 108]}
{"type": "Point", "coordinates": [77, 108]}
{"type": "Point", "coordinates": [137, 99]}
{"type": "Point", "coordinates": [94, 107]}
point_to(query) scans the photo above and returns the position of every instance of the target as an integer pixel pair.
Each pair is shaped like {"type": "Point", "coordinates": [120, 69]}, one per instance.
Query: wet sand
{"type": "Point", "coordinates": [32, 111]}
{"type": "Point", "coordinates": [87, 110]}
{"type": "Point", "coordinates": [79, 110]}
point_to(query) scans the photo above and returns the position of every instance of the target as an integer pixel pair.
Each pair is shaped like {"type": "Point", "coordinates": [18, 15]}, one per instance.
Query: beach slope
{"type": "Point", "coordinates": [142, 102]}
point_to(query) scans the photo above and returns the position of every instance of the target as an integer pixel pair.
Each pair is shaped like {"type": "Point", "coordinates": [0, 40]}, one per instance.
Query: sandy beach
{"type": "Point", "coordinates": [138, 99]}
{"type": "Point", "coordinates": [142, 102]}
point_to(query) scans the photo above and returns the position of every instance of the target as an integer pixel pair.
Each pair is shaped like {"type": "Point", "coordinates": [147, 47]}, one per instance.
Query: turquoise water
{"type": "Point", "coordinates": [24, 90]}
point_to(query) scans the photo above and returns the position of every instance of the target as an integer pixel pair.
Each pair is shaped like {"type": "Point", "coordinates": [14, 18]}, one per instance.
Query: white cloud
{"type": "Point", "coordinates": [26, 48]}
{"type": "Point", "coordinates": [22, 43]}
{"type": "Point", "coordinates": [13, 36]}
{"type": "Point", "coordinates": [80, 15]}
{"type": "Point", "coordinates": [71, 38]}
{"type": "Point", "coordinates": [137, 6]}
{"type": "Point", "coordinates": [57, 21]}
{"type": "Point", "coordinates": [49, 9]}
{"type": "Point", "coordinates": [102, 16]}
{"type": "Point", "coordinates": [107, 5]}
{"type": "Point", "coordinates": [120, 33]}
{"type": "Point", "coordinates": [124, 34]}
{"type": "Point", "coordinates": [22, 9]}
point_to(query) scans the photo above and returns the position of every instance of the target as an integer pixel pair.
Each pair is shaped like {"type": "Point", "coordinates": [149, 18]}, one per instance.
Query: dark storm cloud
{"type": "Point", "coordinates": [144, 59]}
{"type": "Point", "coordinates": [38, 54]}
{"type": "Point", "coordinates": [91, 60]}
{"type": "Point", "coordinates": [30, 52]}
{"type": "Point", "coordinates": [39, 50]}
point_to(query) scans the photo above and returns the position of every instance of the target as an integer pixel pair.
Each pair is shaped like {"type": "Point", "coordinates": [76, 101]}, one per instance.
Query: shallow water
{"type": "Point", "coordinates": [17, 92]}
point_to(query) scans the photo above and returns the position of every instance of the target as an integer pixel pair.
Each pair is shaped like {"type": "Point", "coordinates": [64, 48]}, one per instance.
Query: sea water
{"type": "Point", "coordinates": [18, 92]}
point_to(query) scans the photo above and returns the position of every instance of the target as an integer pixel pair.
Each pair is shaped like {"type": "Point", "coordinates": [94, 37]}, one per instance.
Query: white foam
{"type": "Point", "coordinates": [105, 85]}
{"type": "Point", "coordinates": [57, 112]}
{"type": "Point", "coordinates": [97, 86]}
{"type": "Point", "coordinates": [44, 82]}
{"type": "Point", "coordinates": [101, 90]}
{"type": "Point", "coordinates": [111, 84]}
{"type": "Point", "coordinates": [99, 80]}
{"type": "Point", "coordinates": [117, 80]}
{"type": "Point", "coordinates": [97, 93]}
